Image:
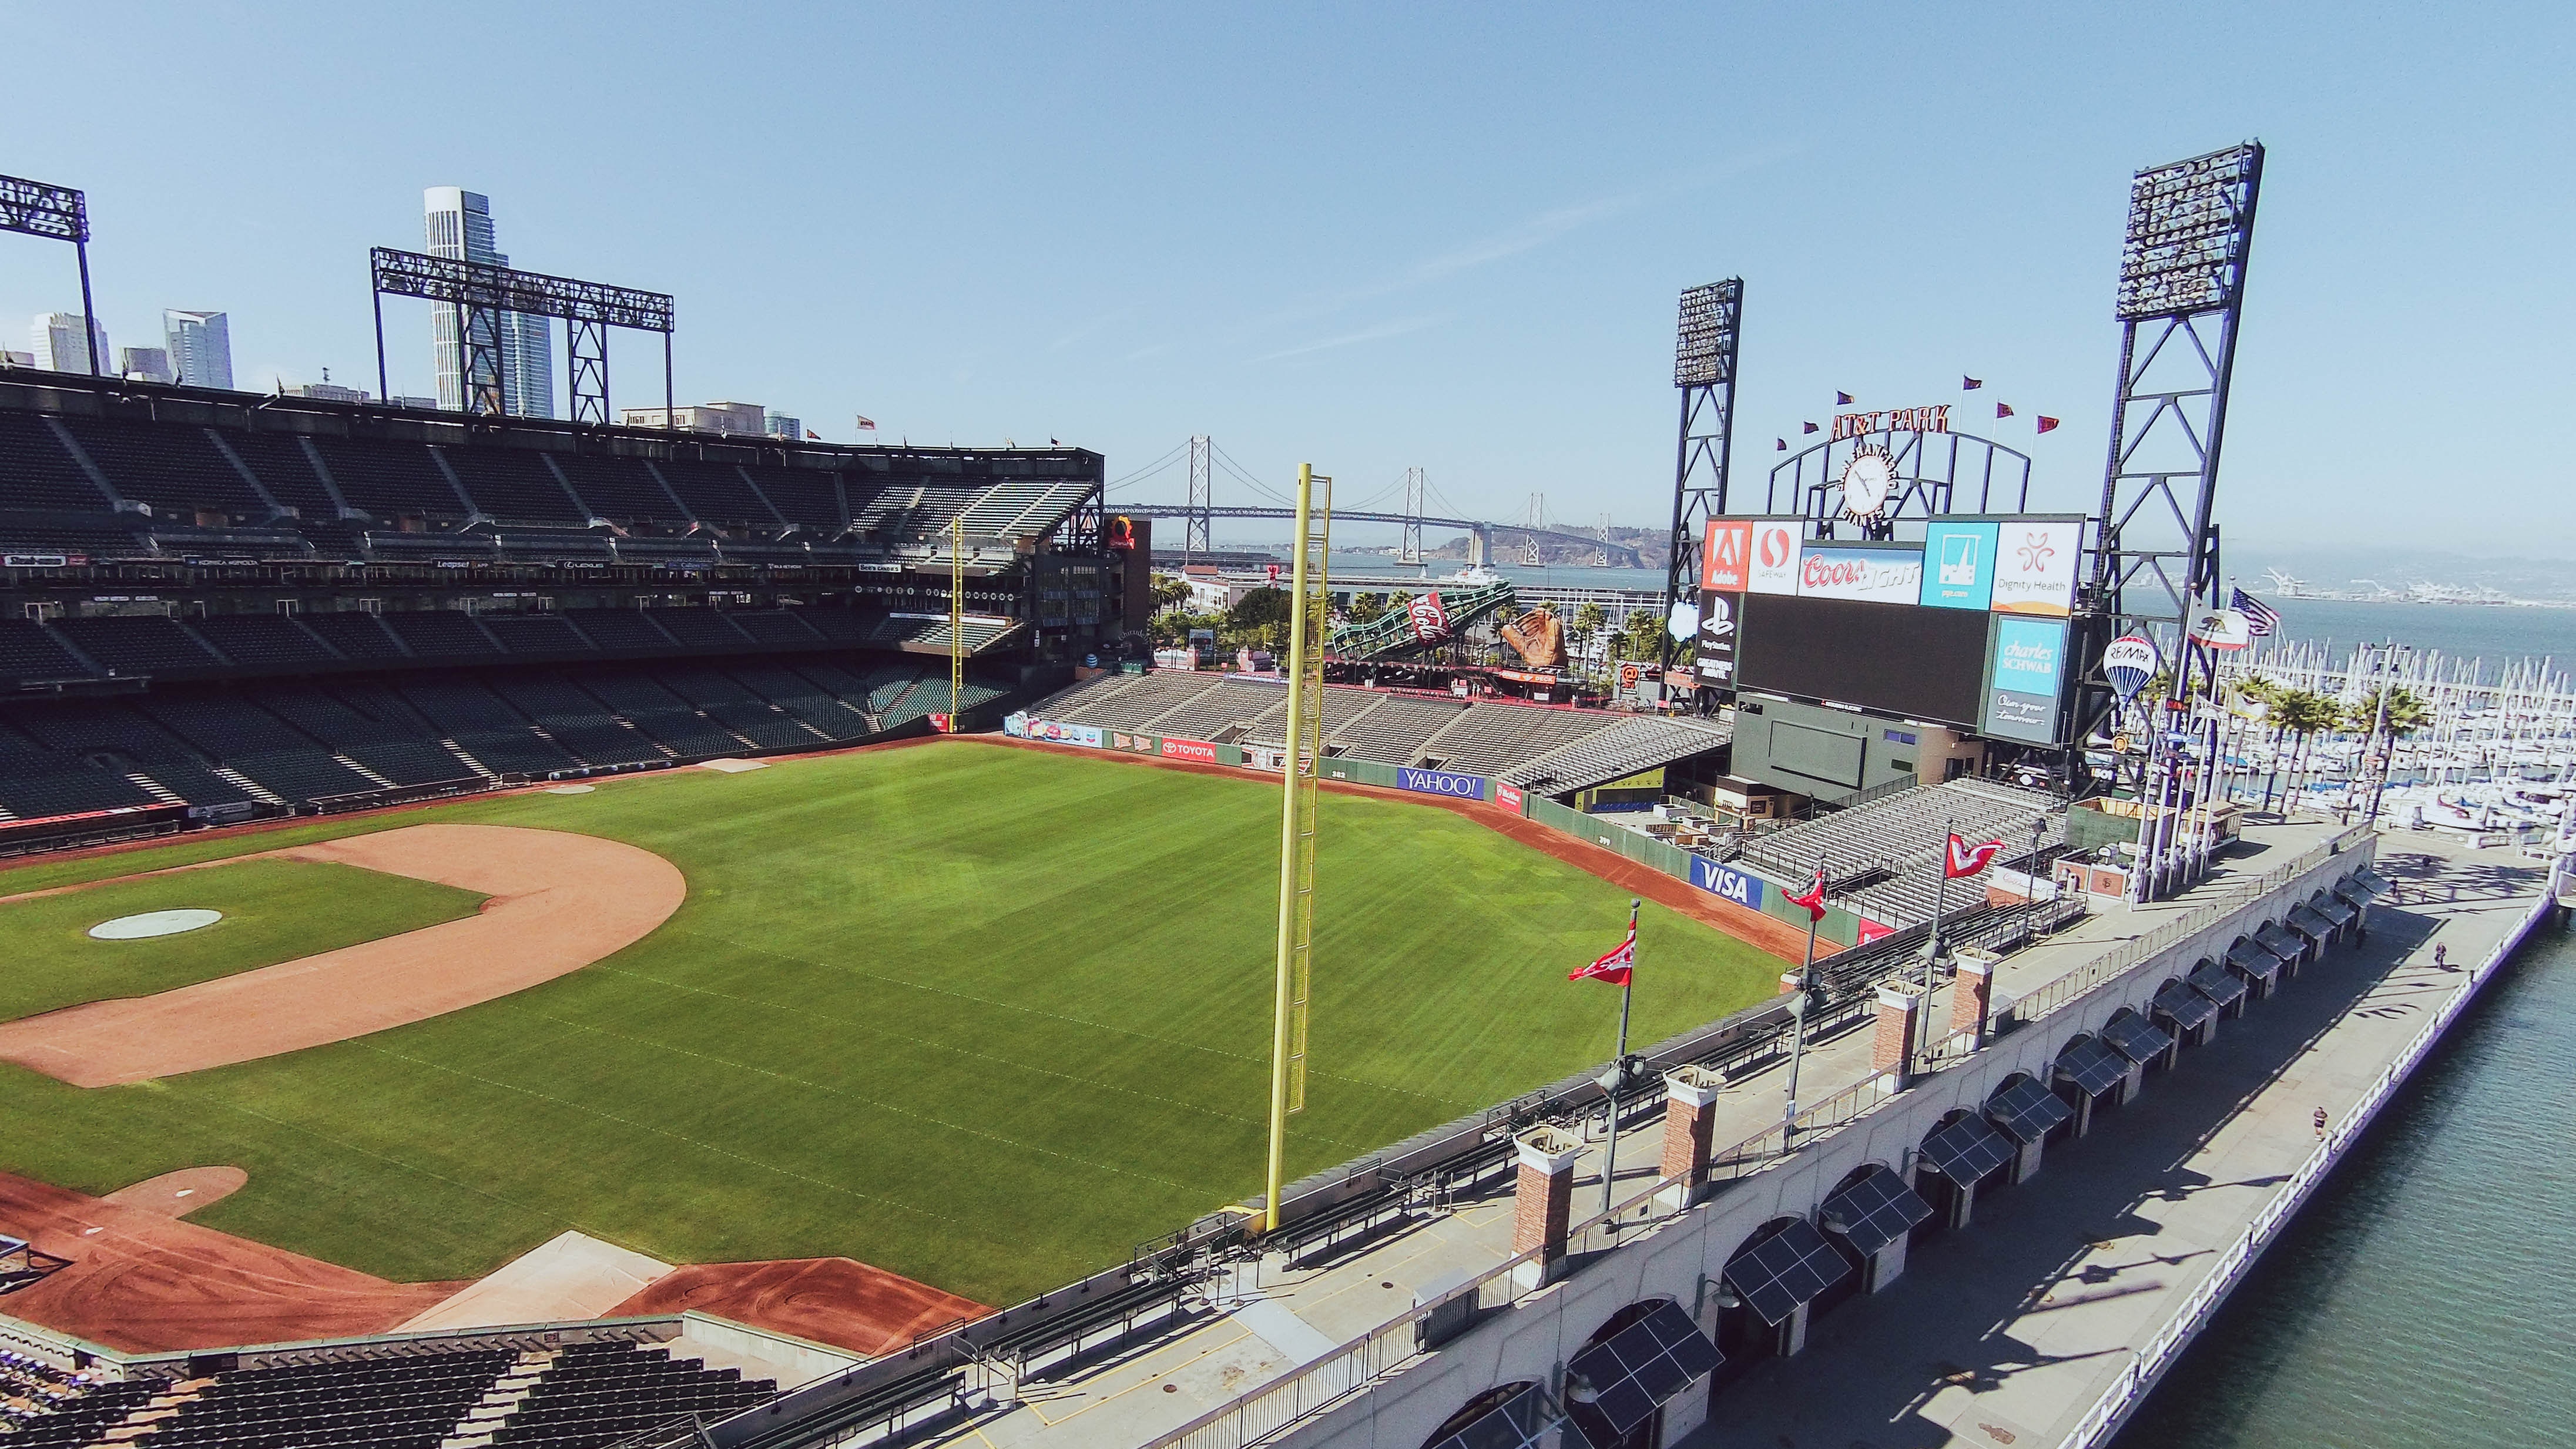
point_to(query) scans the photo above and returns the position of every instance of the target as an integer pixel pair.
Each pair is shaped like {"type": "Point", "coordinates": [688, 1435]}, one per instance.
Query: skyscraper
{"type": "Point", "coordinates": [149, 363]}
{"type": "Point", "coordinates": [459, 224]}
{"type": "Point", "coordinates": [201, 347]}
{"type": "Point", "coordinates": [57, 338]}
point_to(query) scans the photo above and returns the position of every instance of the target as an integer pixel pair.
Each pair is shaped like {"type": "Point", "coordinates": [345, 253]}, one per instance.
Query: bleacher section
{"type": "Point", "coordinates": [114, 479]}
{"type": "Point", "coordinates": [577, 1396]}
{"type": "Point", "coordinates": [298, 743]}
{"type": "Point", "coordinates": [1551, 750]}
{"type": "Point", "coordinates": [1899, 840]}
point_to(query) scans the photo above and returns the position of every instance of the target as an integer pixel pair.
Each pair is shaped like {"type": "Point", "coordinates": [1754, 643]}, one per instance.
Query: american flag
{"type": "Point", "coordinates": [2259, 618]}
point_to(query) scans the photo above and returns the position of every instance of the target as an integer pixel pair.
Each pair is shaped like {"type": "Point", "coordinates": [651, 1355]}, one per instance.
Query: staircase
{"type": "Point", "coordinates": [246, 785]}
{"type": "Point", "coordinates": [160, 793]}
{"type": "Point", "coordinates": [380, 781]}
{"type": "Point", "coordinates": [483, 1422]}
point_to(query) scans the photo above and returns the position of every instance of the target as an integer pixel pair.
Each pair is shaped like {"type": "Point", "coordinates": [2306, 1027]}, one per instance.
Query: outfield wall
{"type": "Point", "coordinates": [1732, 881]}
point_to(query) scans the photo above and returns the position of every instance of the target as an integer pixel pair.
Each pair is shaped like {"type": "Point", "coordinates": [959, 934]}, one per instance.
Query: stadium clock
{"type": "Point", "coordinates": [1869, 480]}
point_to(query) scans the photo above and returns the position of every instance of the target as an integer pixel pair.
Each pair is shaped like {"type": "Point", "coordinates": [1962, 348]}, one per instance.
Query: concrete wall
{"type": "Point", "coordinates": [1680, 1257]}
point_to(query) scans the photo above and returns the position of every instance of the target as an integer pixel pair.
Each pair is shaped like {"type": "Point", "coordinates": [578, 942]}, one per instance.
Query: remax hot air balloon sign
{"type": "Point", "coordinates": [2129, 663]}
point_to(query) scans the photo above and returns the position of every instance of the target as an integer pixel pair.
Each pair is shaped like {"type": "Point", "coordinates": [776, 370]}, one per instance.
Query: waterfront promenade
{"type": "Point", "coordinates": [2011, 1334]}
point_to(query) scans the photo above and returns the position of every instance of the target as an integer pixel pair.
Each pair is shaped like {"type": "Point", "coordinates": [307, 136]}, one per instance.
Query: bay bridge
{"type": "Point", "coordinates": [1411, 513]}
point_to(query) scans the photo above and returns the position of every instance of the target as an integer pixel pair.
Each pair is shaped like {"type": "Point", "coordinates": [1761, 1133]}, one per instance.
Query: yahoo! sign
{"type": "Point", "coordinates": [1441, 782]}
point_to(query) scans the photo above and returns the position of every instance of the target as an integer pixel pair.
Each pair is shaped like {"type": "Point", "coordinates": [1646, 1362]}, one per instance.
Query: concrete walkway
{"type": "Point", "coordinates": [2008, 1332]}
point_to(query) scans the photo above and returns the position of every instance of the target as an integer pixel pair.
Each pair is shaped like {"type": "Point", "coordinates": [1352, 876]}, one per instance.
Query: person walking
{"type": "Point", "coordinates": [2321, 1124]}
{"type": "Point", "coordinates": [2442, 956]}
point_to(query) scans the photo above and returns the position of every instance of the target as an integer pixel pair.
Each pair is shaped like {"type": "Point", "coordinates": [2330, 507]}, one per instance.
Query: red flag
{"type": "Point", "coordinates": [1842, 399]}
{"type": "Point", "coordinates": [2046, 422]}
{"type": "Point", "coordinates": [867, 425]}
{"type": "Point", "coordinates": [1614, 967]}
{"type": "Point", "coordinates": [2003, 410]}
{"type": "Point", "coordinates": [1970, 384]}
{"type": "Point", "coordinates": [1966, 860]}
{"type": "Point", "coordinates": [1779, 445]}
{"type": "Point", "coordinates": [1814, 899]}
{"type": "Point", "coordinates": [817, 437]}
{"type": "Point", "coordinates": [1807, 427]}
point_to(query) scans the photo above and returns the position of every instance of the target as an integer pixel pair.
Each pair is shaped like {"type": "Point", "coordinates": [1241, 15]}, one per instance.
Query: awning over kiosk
{"type": "Point", "coordinates": [2306, 921]}
{"type": "Point", "coordinates": [1526, 1420]}
{"type": "Point", "coordinates": [2249, 957]}
{"type": "Point", "coordinates": [1875, 1211]}
{"type": "Point", "coordinates": [1637, 1371]}
{"type": "Point", "coordinates": [1786, 1269]}
{"type": "Point", "coordinates": [2373, 882]}
{"type": "Point", "coordinates": [1967, 1150]}
{"type": "Point", "coordinates": [2281, 943]}
{"type": "Point", "coordinates": [2217, 983]}
{"type": "Point", "coordinates": [2184, 1007]}
{"type": "Point", "coordinates": [2137, 1038]}
{"type": "Point", "coordinates": [2338, 910]}
{"type": "Point", "coordinates": [2092, 1066]}
{"type": "Point", "coordinates": [2026, 1111]}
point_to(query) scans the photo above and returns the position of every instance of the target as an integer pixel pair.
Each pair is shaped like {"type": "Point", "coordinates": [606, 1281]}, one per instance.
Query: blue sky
{"type": "Point", "coordinates": [1380, 236]}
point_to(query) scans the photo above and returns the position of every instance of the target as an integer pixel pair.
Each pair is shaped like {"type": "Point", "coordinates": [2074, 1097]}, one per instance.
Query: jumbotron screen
{"type": "Point", "coordinates": [1927, 664]}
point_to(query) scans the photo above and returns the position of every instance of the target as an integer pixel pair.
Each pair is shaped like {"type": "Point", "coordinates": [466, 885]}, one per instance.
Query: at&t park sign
{"type": "Point", "coordinates": [1934, 419]}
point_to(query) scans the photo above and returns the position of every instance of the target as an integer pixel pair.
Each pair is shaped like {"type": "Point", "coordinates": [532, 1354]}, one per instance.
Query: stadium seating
{"type": "Point", "coordinates": [496, 735]}
{"type": "Point", "coordinates": [1623, 748]}
{"type": "Point", "coordinates": [132, 744]}
{"type": "Point", "coordinates": [803, 698]}
{"type": "Point", "coordinates": [1393, 732]}
{"type": "Point", "coordinates": [177, 472]}
{"type": "Point", "coordinates": [659, 713]}
{"type": "Point", "coordinates": [440, 634]}
{"type": "Point", "coordinates": [357, 636]}
{"type": "Point", "coordinates": [256, 744]}
{"type": "Point", "coordinates": [270, 639]}
{"type": "Point", "coordinates": [595, 1394]}
{"type": "Point", "coordinates": [537, 636]}
{"type": "Point", "coordinates": [137, 644]}
{"type": "Point", "coordinates": [1897, 842]}
{"type": "Point", "coordinates": [724, 700]}
{"type": "Point", "coordinates": [29, 651]}
{"type": "Point", "coordinates": [38, 781]}
{"type": "Point", "coordinates": [578, 722]}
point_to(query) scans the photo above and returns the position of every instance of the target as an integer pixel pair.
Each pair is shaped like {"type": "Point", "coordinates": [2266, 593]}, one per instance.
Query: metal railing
{"type": "Point", "coordinates": [2125, 1393]}
{"type": "Point", "coordinates": [2055, 995]}
{"type": "Point", "coordinates": [1258, 1414]}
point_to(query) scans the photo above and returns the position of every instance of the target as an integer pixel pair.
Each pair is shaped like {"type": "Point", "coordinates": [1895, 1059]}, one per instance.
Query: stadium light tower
{"type": "Point", "coordinates": [2181, 302]}
{"type": "Point", "coordinates": [38, 208]}
{"type": "Point", "coordinates": [1704, 370]}
{"type": "Point", "coordinates": [589, 309]}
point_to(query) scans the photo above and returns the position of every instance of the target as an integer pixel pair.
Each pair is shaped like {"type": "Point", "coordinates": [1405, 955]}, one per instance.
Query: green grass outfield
{"type": "Point", "coordinates": [986, 1017]}
{"type": "Point", "coordinates": [271, 914]}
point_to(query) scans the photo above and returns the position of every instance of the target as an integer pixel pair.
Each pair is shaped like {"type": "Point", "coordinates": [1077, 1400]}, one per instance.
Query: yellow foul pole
{"type": "Point", "coordinates": [956, 614]}
{"type": "Point", "coordinates": [1307, 616]}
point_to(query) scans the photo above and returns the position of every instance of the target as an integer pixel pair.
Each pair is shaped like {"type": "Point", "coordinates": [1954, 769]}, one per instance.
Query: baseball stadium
{"type": "Point", "coordinates": [532, 932]}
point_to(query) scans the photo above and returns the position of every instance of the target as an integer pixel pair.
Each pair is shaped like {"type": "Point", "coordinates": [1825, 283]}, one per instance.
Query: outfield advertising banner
{"type": "Point", "coordinates": [1778, 545]}
{"type": "Point", "coordinates": [1132, 744]}
{"type": "Point", "coordinates": [1508, 796]}
{"type": "Point", "coordinates": [2035, 566]}
{"type": "Point", "coordinates": [1198, 750]}
{"type": "Point", "coordinates": [2025, 680]}
{"type": "Point", "coordinates": [1718, 616]}
{"type": "Point", "coordinates": [1726, 558]}
{"type": "Point", "coordinates": [1958, 564]}
{"type": "Point", "coordinates": [1055, 733]}
{"type": "Point", "coordinates": [1441, 782]}
{"type": "Point", "coordinates": [1870, 574]}
{"type": "Point", "coordinates": [1727, 883]}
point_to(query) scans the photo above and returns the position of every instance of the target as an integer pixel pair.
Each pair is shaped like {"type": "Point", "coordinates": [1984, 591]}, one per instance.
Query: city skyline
{"type": "Point", "coordinates": [458, 223]}
{"type": "Point", "coordinates": [1458, 248]}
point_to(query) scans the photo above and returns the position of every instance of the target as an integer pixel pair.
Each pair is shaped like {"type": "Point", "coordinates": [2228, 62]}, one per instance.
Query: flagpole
{"type": "Point", "coordinates": [1798, 1009]}
{"type": "Point", "coordinates": [1940, 908]}
{"type": "Point", "coordinates": [1619, 1066]}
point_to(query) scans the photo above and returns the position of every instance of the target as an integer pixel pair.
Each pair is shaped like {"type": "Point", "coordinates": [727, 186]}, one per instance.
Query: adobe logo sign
{"type": "Point", "coordinates": [1726, 560]}
{"type": "Point", "coordinates": [1777, 547]}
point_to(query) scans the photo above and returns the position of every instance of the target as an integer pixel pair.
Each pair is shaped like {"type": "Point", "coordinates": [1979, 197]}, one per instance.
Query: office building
{"type": "Point", "coordinates": [459, 224]}
{"type": "Point", "coordinates": [201, 347]}
{"type": "Point", "coordinates": [152, 364]}
{"type": "Point", "coordinates": [783, 426]}
{"type": "Point", "coordinates": [57, 339]}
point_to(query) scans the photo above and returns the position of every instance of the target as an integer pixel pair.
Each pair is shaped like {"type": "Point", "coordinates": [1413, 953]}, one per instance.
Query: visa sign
{"type": "Point", "coordinates": [1727, 883]}
{"type": "Point", "coordinates": [1441, 782]}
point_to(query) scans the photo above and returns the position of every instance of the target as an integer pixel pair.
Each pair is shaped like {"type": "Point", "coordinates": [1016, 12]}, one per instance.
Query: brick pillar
{"type": "Point", "coordinates": [1544, 1199]}
{"type": "Point", "coordinates": [1972, 994]}
{"type": "Point", "coordinates": [1892, 1053]}
{"type": "Point", "coordinates": [1690, 1112]}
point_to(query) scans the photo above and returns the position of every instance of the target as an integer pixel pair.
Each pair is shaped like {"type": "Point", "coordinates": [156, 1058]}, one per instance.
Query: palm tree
{"type": "Point", "coordinates": [2303, 713]}
{"type": "Point", "coordinates": [2406, 714]}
